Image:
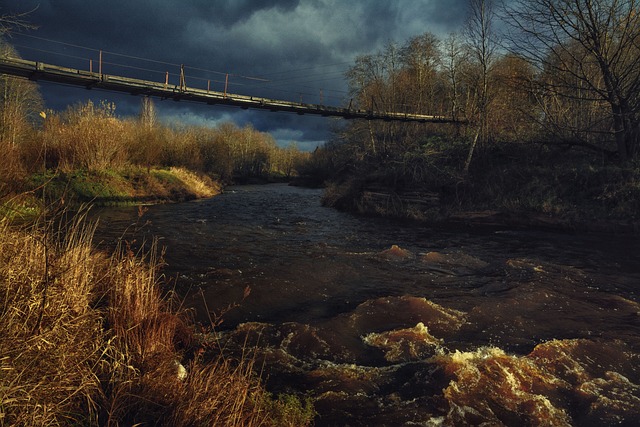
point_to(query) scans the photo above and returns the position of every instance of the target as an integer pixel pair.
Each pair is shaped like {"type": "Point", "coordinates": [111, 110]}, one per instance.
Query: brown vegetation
{"type": "Point", "coordinates": [91, 138]}
{"type": "Point", "coordinates": [88, 154]}
{"type": "Point", "coordinates": [88, 339]}
{"type": "Point", "coordinates": [92, 339]}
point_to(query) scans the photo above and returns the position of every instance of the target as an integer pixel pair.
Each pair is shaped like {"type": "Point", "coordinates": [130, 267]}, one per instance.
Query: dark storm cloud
{"type": "Point", "coordinates": [227, 13]}
{"type": "Point", "coordinates": [302, 47]}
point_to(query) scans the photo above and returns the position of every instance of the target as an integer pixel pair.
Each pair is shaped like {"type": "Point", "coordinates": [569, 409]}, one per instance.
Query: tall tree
{"type": "Point", "coordinates": [374, 84]}
{"type": "Point", "coordinates": [421, 58]}
{"type": "Point", "coordinates": [514, 112]}
{"type": "Point", "coordinates": [366, 82]}
{"type": "Point", "coordinates": [454, 55]}
{"type": "Point", "coordinates": [482, 42]}
{"type": "Point", "coordinates": [573, 38]}
{"type": "Point", "coordinates": [148, 115]}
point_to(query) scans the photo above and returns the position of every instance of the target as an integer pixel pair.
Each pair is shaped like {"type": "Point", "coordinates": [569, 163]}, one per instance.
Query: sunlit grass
{"type": "Point", "coordinates": [130, 185]}
{"type": "Point", "coordinates": [90, 339]}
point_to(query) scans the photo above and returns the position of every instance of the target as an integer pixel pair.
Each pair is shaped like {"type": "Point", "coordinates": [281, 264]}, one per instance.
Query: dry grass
{"type": "Point", "coordinates": [201, 186]}
{"type": "Point", "coordinates": [91, 137]}
{"type": "Point", "coordinates": [51, 337]}
{"type": "Point", "coordinates": [88, 339]}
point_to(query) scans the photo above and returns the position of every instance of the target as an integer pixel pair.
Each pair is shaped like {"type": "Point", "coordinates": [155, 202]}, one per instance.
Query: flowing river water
{"type": "Point", "coordinates": [392, 323]}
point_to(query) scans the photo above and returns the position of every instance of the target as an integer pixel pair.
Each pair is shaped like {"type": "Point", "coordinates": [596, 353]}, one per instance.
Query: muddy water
{"type": "Point", "coordinates": [386, 323]}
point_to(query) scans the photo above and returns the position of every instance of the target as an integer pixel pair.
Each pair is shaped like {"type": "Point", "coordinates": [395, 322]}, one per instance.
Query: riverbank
{"type": "Point", "coordinates": [524, 186]}
{"type": "Point", "coordinates": [112, 345]}
{"type": "Point", "coordinates": [115, 187]}
{"type": "Point", "coordinates": [425, 207]}
{"type": "Point", "coordinates": [132, 185]}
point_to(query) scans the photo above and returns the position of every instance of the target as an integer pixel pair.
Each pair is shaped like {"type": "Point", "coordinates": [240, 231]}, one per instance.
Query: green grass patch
{"type": "Point", "coordinates": [166, 176]}
{"type": "Point", "coordinates": [22, 209]}
{"type": "Point", "coordinates": [122, 187]}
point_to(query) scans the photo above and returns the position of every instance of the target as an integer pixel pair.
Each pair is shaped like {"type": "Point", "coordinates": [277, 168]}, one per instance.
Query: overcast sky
{"type": "Point", "coordinates": [286, 49]}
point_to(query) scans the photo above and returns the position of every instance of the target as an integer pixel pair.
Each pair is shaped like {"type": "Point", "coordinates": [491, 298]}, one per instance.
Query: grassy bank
{"type": "Point", "coordinates": [88, 153]}
{"type": "Point", "coordinates": [89, 339]}
{"type": "Point", "coordinates": [129, 185]}
{"type": "Point", "coordinates": [126, 186]}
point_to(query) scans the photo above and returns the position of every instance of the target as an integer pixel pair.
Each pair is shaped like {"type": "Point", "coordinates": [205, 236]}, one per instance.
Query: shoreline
{"type": "Point", "coordinates": [432, 211]}
{"type": "Point", "coordinates": [124, 187]}
{"type": "Point", "coordinates": [537, 221]}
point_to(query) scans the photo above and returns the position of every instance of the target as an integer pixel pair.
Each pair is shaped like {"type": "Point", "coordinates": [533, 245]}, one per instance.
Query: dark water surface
{"type": "Point", "coordinates": [449, 327]}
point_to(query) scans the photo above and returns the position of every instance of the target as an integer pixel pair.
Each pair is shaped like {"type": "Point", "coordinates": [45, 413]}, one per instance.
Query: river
{"type": "Point", "coordinates": [393, 323]}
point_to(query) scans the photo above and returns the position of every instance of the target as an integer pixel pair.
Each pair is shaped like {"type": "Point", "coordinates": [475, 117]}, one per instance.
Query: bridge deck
{"type": "Point", "coordinates": [53, 73]}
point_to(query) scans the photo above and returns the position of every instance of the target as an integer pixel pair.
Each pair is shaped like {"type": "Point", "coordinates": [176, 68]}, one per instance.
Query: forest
{"type": "Point", "coordinates": [548, 100]}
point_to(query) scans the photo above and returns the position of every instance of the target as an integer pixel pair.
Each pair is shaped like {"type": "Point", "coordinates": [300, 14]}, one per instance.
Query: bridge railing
{"type": "Point", "coordinates": [179, 87]}
{"type": "Point", "coordinates": [107, 62]}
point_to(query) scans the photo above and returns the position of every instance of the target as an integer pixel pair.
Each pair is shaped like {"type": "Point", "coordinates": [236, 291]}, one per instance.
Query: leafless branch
{"type": "Point", "coordinates": [11, 22]}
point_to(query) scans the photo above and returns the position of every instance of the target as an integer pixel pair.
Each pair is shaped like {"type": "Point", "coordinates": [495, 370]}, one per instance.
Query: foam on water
{"type": "Point", "coordinates": [491, 387]}
{"type": "Point", "coordinates": [412, 375]}
{"type": "Point", "coordinates": [404, 344]}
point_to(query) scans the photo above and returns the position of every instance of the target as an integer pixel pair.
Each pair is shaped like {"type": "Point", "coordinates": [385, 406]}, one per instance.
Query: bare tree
{"type": "Point", "coordinates": [514, 112]}
{"type": "Point", "coordinates": [421, 57]}
{"type": "Point", "coordinates": [20, 100]}
{"type": "Point", "coordinates": [366, 82]}
{"type": "Point", "coordinates": [454, 55]}
{"type": "Point", "coordinates": [373, 82]}
{"type": "Point", "coordinates": [148, 115]}
{"type": "Point", "coordinates": [481, 39]}
{"type": "Point", "coordinates": [571, 39]}
{"type": "Point", "coordinates": [14, 22]}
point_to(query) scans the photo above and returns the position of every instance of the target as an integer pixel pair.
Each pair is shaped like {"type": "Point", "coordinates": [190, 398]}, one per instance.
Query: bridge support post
{"type": "Point", "coordinates": [183, 82]}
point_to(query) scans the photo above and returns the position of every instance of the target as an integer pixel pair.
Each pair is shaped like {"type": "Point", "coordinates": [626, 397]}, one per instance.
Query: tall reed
{"type": "Point", "coordinates": [90, 339]}
{"type": "Point", "coordinates": [52, 338]}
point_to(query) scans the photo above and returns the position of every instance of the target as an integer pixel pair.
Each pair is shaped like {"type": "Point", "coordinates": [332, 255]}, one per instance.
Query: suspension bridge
{"type": "Point", "coordinates": [40, 71]}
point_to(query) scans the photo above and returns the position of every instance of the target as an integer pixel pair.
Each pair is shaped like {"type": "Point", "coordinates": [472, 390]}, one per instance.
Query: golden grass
{"type": "Point", "coordinates": [90, 137]}
{"type": "Point", "coordinates": [199, 185]}
{"type": "Point", "coordinates": [88, 339]}
{"type": "Point", "coordinates": [51, 337]}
